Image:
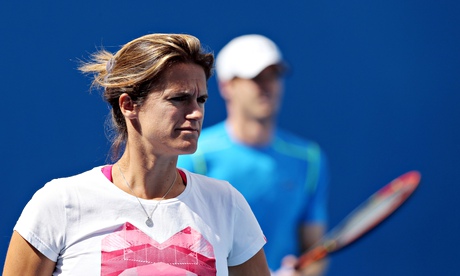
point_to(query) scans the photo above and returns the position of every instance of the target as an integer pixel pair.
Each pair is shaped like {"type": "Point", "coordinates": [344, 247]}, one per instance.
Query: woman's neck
{"type": "Point", "coordinates": [147, 178]}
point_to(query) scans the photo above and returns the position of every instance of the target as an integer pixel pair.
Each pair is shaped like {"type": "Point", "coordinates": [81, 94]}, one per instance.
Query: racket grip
{"type": "Point", "coordinates": [311, 256]}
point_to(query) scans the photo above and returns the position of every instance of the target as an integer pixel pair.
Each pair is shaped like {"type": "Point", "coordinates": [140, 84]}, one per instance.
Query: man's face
{"type": "Point", "coordinates": [258, 98]}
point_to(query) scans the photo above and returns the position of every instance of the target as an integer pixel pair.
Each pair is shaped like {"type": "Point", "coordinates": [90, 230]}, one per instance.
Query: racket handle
{"type": "Point", "coordinates": [311, 256]}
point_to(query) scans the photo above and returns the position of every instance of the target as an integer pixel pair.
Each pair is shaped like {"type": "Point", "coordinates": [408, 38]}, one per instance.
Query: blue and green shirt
{"type": "Point", "coordinates": [285, 182]}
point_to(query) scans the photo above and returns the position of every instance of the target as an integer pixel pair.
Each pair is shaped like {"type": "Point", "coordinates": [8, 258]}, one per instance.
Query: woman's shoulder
{"type": "Point", "coordinates": [214, 192]}
{"type": "Point", "coordinates": [71, 189]}
{"type": "Point", "coordinates": [200, 179]}
{"type": "Point", "coordinates": [86, 178]}
{"type": "Point", "coordinates": [208, 184]}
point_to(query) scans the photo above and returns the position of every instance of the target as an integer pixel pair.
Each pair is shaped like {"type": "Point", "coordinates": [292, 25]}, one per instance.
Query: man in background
{"type": "Point", "coordinates": [282, 176]}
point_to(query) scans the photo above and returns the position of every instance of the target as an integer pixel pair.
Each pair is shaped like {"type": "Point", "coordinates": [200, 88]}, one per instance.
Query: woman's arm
{"type": "Point", "coordinates": [256, 266]}
{"type": "Point", "coordinates": [23, 259]}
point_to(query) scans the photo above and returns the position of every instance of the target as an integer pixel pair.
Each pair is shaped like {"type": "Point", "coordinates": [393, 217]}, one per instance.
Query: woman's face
{"type": "Point", "coordinates": [171, 118]}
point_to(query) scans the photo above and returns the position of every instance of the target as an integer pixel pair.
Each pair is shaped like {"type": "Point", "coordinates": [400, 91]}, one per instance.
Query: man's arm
{"type": "Point", "coordinates": [310, 234]}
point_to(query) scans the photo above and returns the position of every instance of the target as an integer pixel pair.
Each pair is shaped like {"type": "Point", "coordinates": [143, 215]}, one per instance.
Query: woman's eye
{"type": "Point", "coordinates": [185, 98]}
{"type": "Point", "coordinates": [202, 99]}
{"type": "Point", "coordinates": [180, 98]}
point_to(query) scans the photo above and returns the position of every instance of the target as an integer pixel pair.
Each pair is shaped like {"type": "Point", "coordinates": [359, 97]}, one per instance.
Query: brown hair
{"type": "Point", "coordinates": [137, 68]}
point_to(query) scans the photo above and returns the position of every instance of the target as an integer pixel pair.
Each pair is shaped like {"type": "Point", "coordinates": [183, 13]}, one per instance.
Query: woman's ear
{"type": "Point", "coordinates": [127, 106]}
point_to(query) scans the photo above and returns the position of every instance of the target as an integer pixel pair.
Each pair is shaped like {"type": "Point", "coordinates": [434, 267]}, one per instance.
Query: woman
{"type": "Point", "coordinates": [141, 215]}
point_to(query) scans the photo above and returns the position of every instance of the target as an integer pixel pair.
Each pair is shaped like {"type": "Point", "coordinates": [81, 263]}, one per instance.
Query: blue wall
{"type": "Point", "coordinates": [376, 83]}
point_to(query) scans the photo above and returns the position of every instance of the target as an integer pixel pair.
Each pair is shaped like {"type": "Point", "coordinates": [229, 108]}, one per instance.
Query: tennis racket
{"type": "Point", "coordinates": [364, 218]}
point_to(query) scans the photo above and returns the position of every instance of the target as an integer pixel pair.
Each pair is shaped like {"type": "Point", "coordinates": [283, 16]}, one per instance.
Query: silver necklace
{"type": "Point", "coordinates": [149, 221]}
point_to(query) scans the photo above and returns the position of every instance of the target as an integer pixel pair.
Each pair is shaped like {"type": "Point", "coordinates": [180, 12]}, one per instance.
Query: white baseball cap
{"type": "Point", "coordinates": [246, 56]}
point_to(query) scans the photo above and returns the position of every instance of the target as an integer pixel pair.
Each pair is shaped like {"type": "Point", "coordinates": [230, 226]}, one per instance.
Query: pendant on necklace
{"type": "Point", "coordinates": [149, 222]}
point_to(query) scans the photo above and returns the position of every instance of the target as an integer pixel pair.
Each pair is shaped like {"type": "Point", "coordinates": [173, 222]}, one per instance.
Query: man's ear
{"type": "Point", "coordinates": [224, 87]}
{"type": "Point", "coordinates": [127, 106]}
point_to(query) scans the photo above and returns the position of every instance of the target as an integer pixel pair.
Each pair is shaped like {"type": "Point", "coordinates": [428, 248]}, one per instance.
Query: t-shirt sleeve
{"type": "Point", "coordinates": [42, 221]}
{"type": "Point", "coordinates": [248, 237]}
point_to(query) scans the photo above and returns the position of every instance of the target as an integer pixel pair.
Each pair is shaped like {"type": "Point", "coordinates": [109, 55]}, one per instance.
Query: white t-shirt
{"type": "Point", "coordinates": [90, 227]}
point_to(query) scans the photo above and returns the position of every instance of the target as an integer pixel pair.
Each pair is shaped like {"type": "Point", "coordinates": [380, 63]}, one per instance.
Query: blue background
{"type": "Point", "coordinates": [376, 83]}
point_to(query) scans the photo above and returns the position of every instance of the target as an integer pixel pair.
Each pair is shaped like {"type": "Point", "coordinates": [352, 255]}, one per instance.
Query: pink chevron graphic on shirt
{"type": "Point", "coordinates": [129, 251]}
